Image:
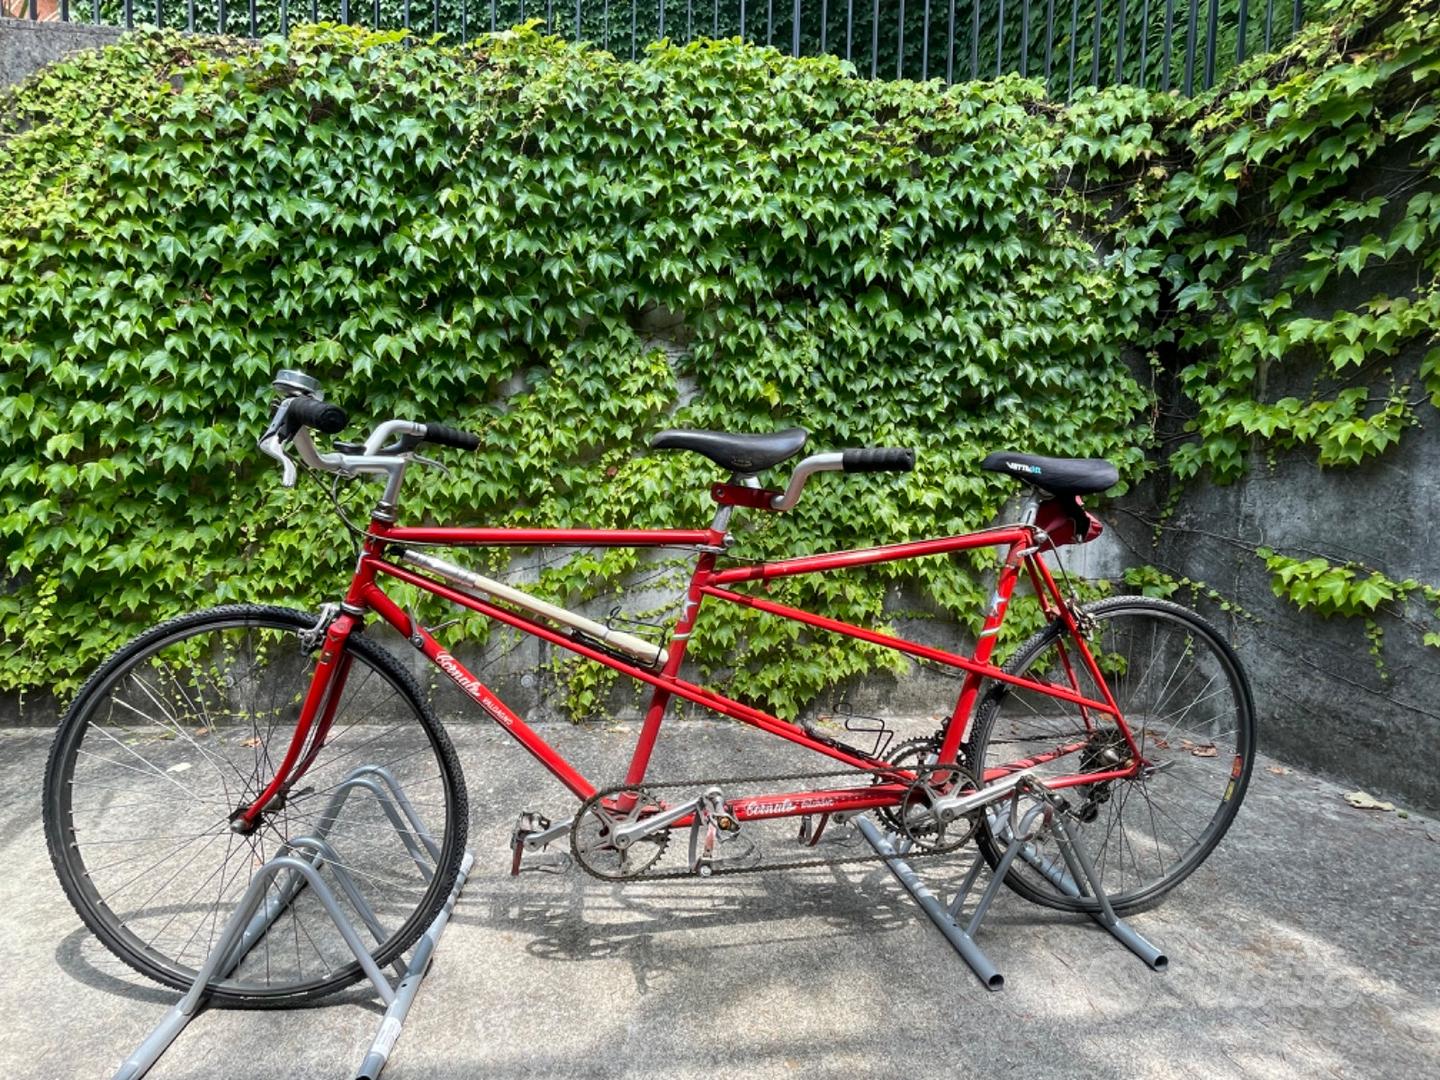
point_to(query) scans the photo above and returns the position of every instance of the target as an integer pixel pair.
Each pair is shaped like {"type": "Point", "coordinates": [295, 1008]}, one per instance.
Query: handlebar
{"type": "Point", "coordinates": [878, 459]}
{"type": "Point", "coordinates": [392, 444]}
{"type": "Point", "coordinates": [869, 459]}
{"type": "Point", "coordinates": [302, 409]}
{"type": "Point", "coordinates": [298, 412]}
{"type": "Point", "coordinates": [449, 436]}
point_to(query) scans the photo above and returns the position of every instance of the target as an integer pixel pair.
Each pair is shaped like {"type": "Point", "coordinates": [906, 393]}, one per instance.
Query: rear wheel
{"type": "Point", "coordinates": [1187, 703]}
{"type": "Point", "coordinates": [186, 725]}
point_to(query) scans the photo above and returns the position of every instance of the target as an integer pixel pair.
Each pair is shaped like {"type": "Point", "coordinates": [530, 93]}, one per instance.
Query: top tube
{"type": "Point", "coordinates": [461, 536]}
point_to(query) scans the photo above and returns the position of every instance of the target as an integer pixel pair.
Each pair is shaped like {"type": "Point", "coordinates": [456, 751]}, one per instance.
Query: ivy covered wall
{"type": "Point", "coordinates": [567, 252]}
{"type": "Point", "coordinates": [1296, 414]}
{"type": "Point", "coordinates": [554, 248]}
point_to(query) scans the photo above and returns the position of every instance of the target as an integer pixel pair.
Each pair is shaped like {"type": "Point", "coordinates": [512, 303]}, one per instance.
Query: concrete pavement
{"type": "Point", "coordinates": [1306, 946]}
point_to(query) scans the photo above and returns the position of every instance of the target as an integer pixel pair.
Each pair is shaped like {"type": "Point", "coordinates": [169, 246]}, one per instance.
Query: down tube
{"type": "Point", "coordinates": [708, 699]}
{"type": "Point", "coordinates": [478, 692]}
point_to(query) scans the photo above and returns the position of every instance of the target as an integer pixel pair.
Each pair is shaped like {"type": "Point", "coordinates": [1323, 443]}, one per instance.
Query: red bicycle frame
{"type": "Point", "coordinates": [1022, 544]}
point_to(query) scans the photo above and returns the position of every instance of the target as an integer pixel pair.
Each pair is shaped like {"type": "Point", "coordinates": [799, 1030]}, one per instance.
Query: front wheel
{"type": "Point", "coordinates": [183, 727]}
{"type": "Point", "coordinates": [1187, 703]}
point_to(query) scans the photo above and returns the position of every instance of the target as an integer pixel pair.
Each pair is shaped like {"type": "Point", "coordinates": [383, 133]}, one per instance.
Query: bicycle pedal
{"type": "Point", "coordinates": [528, 824]}
{"type": "Point", "coordinates": [711, 822]}
{"type": "Point", "coordinates": [811, 830]}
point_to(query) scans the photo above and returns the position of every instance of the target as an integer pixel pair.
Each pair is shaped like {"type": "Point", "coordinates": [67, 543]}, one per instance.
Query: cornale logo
{"type": "Point", "coordinates": [761, 808]}
{"type": "Point", "coordinates": [471, 685]}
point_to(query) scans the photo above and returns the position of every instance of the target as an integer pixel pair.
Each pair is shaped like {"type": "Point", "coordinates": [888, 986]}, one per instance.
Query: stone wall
{"type": "Point", "coordinates": [1323, 700]}
{"type": "Point", "coordinates": [27, 46]}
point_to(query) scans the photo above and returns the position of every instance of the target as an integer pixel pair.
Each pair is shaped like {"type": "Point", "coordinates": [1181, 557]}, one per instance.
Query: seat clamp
{"type": "Point", "coordinates": [755, 498]}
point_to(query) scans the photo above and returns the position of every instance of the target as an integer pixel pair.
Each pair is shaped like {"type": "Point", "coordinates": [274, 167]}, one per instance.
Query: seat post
{"type": "Point", "coordinates": [1030, 506]}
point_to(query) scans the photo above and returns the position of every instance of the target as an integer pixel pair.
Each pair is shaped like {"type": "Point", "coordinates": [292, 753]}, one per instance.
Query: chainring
{"type": "Point", "coordinates": [914, 754]}
{"type": "Point", "coordinates": [916, 812]}
{"type": "Point", "coordinates": [595, 821]}
{"type": "Point", "coordinates": [910, 754]}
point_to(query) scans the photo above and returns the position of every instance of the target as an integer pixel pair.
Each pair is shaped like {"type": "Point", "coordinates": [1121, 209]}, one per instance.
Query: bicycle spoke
{"type": "Point", "coordinates": [178, 871]}
{"type": "Point", "coordinates": [217, 872]}
{"type": "Point", "coordinates": [144, 761]}
{"type": "Point", "coordinates": [176, 730]}
{"type": "Point", "coordinates": [180, 729]}
{"type": "Point", "coordinates": [217, 831]}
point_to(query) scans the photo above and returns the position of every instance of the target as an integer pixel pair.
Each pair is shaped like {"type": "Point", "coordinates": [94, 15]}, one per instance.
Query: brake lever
{"type": "Point", "coordinates": [271, 447]}
{"type": "Point", "coordinates": [431, 461]}
{"type": "Point", "coordinates": [405, 444]}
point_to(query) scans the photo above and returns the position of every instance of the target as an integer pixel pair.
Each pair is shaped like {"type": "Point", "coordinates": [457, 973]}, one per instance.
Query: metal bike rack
{"type": "Point", "coordinates": [299, 863]}
{"type": "Point", "coordinates": [1079, 881]}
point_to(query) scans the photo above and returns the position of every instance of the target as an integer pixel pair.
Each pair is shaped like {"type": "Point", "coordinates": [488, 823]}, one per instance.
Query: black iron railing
{"type": "Point", "coordinates": [1167, 45]}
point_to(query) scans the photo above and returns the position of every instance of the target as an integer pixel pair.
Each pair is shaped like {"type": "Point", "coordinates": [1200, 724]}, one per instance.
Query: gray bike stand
{"type": "Point", "coordinates": [1080, 881]}
{"type": "Point", "coordinates": [250, 921]}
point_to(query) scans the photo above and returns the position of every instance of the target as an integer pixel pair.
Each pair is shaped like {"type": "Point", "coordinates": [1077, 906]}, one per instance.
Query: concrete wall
{"type": "Point", "coordinates": [1323, 700]}
{"type": "Point", "coordinates": [27, 46]}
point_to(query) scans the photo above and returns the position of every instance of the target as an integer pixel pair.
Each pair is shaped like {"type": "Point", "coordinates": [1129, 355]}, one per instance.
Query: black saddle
{"type": "Point", "coordinates": [1057, 475]}
{"type": "Point", "coordinates": [744, 454]}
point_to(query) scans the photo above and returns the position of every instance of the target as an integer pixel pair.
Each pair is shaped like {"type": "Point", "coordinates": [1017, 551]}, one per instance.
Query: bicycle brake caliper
{"type": "Point", "coordinates": [311, 639]}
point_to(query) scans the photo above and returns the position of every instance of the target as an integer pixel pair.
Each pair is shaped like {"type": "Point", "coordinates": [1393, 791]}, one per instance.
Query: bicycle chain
{"type": "Point", "coordinates": [718, 870]}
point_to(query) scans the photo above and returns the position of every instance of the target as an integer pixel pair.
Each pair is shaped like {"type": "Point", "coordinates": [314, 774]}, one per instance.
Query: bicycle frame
{"type": "Point", "coordinates": [1022, 544]}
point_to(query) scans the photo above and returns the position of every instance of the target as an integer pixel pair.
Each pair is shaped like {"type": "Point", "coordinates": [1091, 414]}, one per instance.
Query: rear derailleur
{"type": "Point", "coordinates": [1107, 751]}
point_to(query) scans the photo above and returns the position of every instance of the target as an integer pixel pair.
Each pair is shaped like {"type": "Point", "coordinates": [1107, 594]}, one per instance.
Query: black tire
{"type": "Point", "coordinates": [197, 680]}
{"type": "Point", "coordinates": [1172, 795]}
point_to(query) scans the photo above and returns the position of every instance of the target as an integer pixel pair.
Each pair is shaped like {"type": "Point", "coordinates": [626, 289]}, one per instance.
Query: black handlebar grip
{"type": "Point", "coordinates": [877, 459]}
{"type": "Point", "coordinates": [449, 436]}
{"type": "Point", "coordinates": [320, 415]}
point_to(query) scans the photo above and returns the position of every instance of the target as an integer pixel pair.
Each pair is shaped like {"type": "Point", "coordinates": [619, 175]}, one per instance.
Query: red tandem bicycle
{"type": "Point", "coordinates": [1095, 769]}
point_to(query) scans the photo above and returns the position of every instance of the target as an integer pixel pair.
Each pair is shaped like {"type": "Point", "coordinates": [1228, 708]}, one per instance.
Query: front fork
{"type": "Point", "coordinates": [317, 714]}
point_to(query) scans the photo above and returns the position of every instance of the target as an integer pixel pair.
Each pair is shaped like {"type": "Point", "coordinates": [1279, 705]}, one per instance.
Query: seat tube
{"type": "Point", "coordinates": [957, 728]}
{"type": "Point", "coordinates": [660, 698]}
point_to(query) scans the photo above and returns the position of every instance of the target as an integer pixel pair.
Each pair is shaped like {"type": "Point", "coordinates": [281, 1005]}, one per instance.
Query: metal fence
{"type": "Point", "coordinates": [1167, 45]}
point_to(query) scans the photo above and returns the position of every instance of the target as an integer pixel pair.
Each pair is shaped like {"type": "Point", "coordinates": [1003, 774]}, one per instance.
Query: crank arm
{"type": "Point", "coordinates": [537, 840]}
{"type": "Point", "coordinates": [950, 807]}
{"type": "Point", "coordinates": [625, 835]}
